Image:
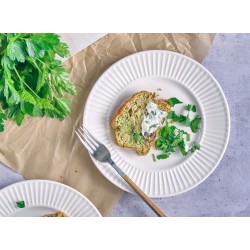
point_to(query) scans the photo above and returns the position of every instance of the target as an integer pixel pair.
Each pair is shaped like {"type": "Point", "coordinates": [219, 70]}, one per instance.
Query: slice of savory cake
{"type": "Point", "coordinates": [138, 121]}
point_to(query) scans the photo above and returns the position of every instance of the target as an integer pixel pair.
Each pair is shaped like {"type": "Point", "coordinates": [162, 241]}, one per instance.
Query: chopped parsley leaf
{"type": "Point", "coordinates": [173, 101]}
{"type": "Point", "coordinates": [195, 124]}
{"type": "Point", "coordinates": [188, 107]}
{"type": "Point", "coordinates": [154, 158]}
{"type": "Point", "coordinates": [137, 137]}
{"type": "Point", "coordinates": [194, 108]}
{"type": "Point", "coordinates": [195, 147]}
{"type": "Point", "coordinates": [20, 204]}
{"type": "Point", "coordinates": [162, 156]}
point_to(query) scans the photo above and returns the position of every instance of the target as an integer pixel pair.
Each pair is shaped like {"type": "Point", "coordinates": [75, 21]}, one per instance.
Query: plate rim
{"type": "Point", "coordinates": [222, 95]}
{"type": "Point", "coordinates": [16, 184]}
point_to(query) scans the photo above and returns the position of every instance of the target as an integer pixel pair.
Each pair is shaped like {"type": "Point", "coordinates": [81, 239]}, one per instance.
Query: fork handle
{"type": "Point", "coordinates": [148, 200]}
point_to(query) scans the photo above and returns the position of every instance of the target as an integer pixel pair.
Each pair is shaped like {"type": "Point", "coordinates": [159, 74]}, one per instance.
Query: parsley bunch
{"type": "Point", "coordinates": [32, 81]}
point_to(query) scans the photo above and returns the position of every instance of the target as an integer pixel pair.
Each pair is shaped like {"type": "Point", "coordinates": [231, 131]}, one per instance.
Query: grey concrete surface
{"type": "Point", "coordinates": [227, 191]}
{"type": "Point", "coordinates": [8, 176]}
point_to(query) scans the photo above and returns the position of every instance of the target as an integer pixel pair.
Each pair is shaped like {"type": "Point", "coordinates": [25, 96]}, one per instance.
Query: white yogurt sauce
{"type": "Point", "coordinates": [153, 119]}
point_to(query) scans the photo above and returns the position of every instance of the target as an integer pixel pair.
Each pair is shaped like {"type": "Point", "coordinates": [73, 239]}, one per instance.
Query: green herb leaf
{"type": "Point", "coordinates": [20, 204]}
{"type": "Point", "coordinates": [27, 97]}
{"type": "Point", "coordinates": [177, 139]}
{"type": "Point", "coordinates": [7, 63]}
{"type": "Point", "coordinates": [2, 119]}
{"type": "Point", "coordinates": [10, 93]}
{"type": "Point", "coordinates": [34, 49]}
{"type": "Point", "coordinates": [42, 79]}
{"type": "Point", "coordinates": [62, 49]}
{"type": "Point", "coordinates": [188, 107]}
{"type": "Point", "coordinates": [194, 108]}
{"type": "Point", "coordinates": [15, 113]}
{"type": "Point", "coordinates": [138, 138]}
{"type": "Point", "coordinates": [187, 121]}
{"type": "Point", "coordinates": [62, 104]}
{"type": "Point", "coordinates": [1, 39]}
{"type": "Point", "coordinates": [54, 114]}
{"type": "Point", "coordinates": [183, 151]}
{"type": "Point", "coordinates": [195, 147]}
{"type": "Point", "coordinates": [44, 103]}
{"type": "Point", "coordinates": [16, 51]}
{"type": "Point", "coordinates": [36, 111]}
{"type": "Point", "coordinates": [172, 115]}
{"type": "Point", "coordinates": [19, 117]}
{"type": "Point", "coordinates": [45, 41]}
{"type": "Point", "coordinates": [154, 158]}
{"type": "Point", "coordinates": [162, 156]}
{"type": "Point", "coordinates": [60, 78]}
{"type": "Point", "coordinates": [27, 108]}
{"type": "Point", "coordinates": [195, 123]}
{"type": "Point", "coordinates": [173, 101]}
{"type": "Point", "coordinates": [182, 118]}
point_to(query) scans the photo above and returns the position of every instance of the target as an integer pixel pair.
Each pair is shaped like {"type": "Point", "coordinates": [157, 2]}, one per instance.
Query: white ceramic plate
{"type": "Point", "coordinates": [168, 74]}
{"type": "Point", "coordinates": [43, 197]}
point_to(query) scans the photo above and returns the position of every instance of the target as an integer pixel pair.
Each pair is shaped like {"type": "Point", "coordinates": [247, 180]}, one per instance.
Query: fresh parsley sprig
{"type": "Point", "coordinates": [32, 81]}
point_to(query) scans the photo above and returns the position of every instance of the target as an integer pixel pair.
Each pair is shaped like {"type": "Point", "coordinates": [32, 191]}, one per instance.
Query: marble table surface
{"type": "Point", "coordinates": [226, 192]}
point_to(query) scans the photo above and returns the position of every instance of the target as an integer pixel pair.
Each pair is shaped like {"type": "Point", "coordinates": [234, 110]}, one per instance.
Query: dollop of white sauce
{"type": "Point", "coordinates": [153, 119]}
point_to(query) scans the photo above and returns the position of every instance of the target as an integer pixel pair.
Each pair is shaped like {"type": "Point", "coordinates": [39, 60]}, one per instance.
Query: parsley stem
{"type": "Point", "coordinates": [34, 61]}
{"type": "Point", "coordinates": [13, 39]}
{"type": "Point", "coordinates": [40, 60]}
{"type": "Point", "coordinates": [25, 83]}
{"type": "Point", "coordinates": [43, 63]}
{"type": "Point", "coordinates": [154, 157]}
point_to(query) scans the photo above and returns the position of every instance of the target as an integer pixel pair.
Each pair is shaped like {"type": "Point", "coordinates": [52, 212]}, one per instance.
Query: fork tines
{"type": "Point", "coordinates": [87, 139]}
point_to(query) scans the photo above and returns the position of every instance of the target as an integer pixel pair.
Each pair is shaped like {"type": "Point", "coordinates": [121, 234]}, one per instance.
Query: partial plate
{"type": "Point", "coordinates": [168, 74]}
{"type": "Point", "coordinates": [44, 197]}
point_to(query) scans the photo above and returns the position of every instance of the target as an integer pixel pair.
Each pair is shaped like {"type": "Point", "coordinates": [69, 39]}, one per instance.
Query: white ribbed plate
{"type": "Point", "coordinates": [43, 197]}
{"type": "Point", "coordinates": [168, 74]}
